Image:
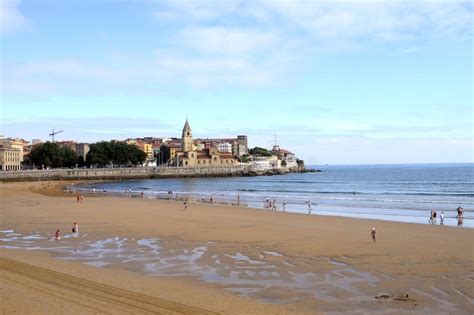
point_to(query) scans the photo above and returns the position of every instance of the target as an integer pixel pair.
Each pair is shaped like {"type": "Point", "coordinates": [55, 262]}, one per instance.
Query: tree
{"type": "Point", "coordinates": [51, 154]}
{"type": "Point", "coordinates": [260, 151]}
{"type": "Point", "coordinates": [165, 153]}
{"type": "Point", "coordinates": [283, 163]}
{"type": "Point", "coordinates": [245, 158]}
{"type": "Point", "coordinates": [80, 161]}
{"type": "Point", "coordinates": [116, 153]}
{"type": "Point", "coordinates": [300, 163]}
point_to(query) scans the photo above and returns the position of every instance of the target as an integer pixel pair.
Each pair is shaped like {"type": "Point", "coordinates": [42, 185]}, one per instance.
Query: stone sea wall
{"type": "Point", "coordinates": [124, 173]}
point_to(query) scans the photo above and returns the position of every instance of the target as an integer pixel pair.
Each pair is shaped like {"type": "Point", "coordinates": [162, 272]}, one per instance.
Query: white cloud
{"type": "Point", "coordinates": [334, 20]}
{"type": "Point", "coordinates": [228, 41]}
{"type": "Point", "coordinates": [203, 72]}
{"type": "Point", "coordinates": [251, 43]}
{"type": "Point", "coordinates": [11, 19]}
{"type": "Point", "coordinates": [267, 41]}
{"type": "Point", "coordinates": [51, 76]}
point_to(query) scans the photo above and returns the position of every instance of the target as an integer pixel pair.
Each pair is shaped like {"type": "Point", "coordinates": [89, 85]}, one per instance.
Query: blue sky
{"type": "Point", "coordinates": [337, 82]}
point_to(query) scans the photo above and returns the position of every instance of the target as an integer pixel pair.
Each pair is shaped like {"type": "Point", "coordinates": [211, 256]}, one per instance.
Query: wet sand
{"type": "Point", "coordinates": [155, 257]}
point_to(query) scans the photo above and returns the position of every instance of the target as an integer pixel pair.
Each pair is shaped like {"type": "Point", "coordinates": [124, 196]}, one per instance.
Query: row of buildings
{"type": "Point", "coordinates": [184, 152]}
{"type": "Point", "coordinates": [13, 151]}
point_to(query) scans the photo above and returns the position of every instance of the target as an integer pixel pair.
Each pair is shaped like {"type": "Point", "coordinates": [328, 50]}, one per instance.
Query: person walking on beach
{"type": "Point", "coordinates": [431, 217]}
{"type": "Point", "coordinates": [434, 216]}
{"type": "Point", "coordinates": [309, 206]}
{"type": "Point", "coordinates": [373, 234]}
{"type": "Point", "coordinates": [57, 235]}
{"type": "Point", "coordinates": [238, 199]}
{"type": "Point", "coordinates": [185, 205]}
{"type": "Point", "coordinates": [283, 205]}
{"type": "Point", "coordinates": [274, 205]}
{"type": "Point", "coordinates": [441, 218]}
{"type": "Point", "coordinates": [75, 229]}
{"type": "Point", "coordinates": [460, 214]}
{"type": "Point", "coordinates": [82, 198]}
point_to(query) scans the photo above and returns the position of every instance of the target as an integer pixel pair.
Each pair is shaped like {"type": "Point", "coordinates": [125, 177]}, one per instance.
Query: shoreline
{"type": "Point", "coordinates": [380, 214]}
{"type": "Point", "coordinates": [405, 260]}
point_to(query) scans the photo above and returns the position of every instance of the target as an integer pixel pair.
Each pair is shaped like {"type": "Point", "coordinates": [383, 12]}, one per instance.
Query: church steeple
{"type": "Point", "coordinates": [187, 138]}
{"type": "Point", "coordinates": [186, 127]}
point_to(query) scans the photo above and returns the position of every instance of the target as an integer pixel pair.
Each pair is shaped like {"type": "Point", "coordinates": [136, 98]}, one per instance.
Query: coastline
{"type": "Point", "coordinates": [246, 193]}
{"type": "Point", "coordinates": [405, 260]}
{"type": "Point", "coordinates": [142, 173]}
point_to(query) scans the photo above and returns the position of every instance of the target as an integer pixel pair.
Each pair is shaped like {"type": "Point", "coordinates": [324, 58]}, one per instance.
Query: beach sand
{"type": "Point", "coordinates": [221, 259]}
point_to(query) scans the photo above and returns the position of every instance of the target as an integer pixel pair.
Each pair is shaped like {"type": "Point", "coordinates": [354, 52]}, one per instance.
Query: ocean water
{"type": "Point", "coordinates": [404, 193]}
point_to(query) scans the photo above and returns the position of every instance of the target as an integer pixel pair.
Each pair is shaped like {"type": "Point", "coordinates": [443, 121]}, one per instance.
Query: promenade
{"type": "Point", "coordinates": [126, 173]}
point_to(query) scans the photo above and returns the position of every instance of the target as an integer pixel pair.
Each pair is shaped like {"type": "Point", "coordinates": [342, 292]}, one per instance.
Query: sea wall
{"type": "Point", "coordinates": [124, 173]}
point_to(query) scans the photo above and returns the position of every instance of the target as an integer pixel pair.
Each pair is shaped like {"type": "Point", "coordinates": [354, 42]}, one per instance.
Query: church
{"type": "Point", "coordinates": [191, 157]}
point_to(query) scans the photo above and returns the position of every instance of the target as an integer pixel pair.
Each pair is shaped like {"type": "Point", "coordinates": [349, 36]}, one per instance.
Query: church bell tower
{"type": "Point", "coordinates": [187, 138]}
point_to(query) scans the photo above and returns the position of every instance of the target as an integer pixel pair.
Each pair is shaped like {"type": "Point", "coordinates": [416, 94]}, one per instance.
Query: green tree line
{"type": "Point", "coordinates": [260, 151]}
{"type": "Point", "coordinates": [114, 152]}
{"type": "Point", "coordinates": [53, 155]}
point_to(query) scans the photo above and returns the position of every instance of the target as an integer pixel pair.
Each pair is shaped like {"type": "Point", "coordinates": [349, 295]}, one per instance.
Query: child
{"type": "Point", "coordinates": [374, 235]}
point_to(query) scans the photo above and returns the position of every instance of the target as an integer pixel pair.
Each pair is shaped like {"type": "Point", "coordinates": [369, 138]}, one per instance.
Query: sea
{"type": "Point", "coordinates": [404, 193]}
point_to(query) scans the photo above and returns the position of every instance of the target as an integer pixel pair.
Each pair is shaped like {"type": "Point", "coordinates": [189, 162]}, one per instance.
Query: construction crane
{"type": "Point", "coordinates": [53, 133]}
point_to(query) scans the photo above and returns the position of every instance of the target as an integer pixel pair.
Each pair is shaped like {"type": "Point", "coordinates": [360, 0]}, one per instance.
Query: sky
{"type": "Point", "coordinates": [373, 82]}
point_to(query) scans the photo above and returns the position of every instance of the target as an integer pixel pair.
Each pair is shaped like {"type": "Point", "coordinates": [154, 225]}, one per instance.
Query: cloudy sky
{"type": "Point", "coordinates": [337, 82]}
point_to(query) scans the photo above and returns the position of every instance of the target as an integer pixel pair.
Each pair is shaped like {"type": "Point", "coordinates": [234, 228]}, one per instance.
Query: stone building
{"type": "Point", "coordinates": [208, 157]}
{"type": "Point", "coordinates": [16, 143]}
{"type": "Point", "coordinates": [237, 146]}
{"type": "Point", "coordinates": [10, 158]}
{"type": "Point", "coordinates": [81, 149]}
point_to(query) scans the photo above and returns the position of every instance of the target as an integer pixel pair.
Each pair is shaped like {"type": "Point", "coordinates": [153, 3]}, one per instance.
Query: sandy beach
{"type": "Point", "coordinates": [138, 255]}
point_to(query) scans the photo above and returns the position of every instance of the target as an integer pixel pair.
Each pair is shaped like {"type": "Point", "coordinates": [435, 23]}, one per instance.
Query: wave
{"type": "Point", "coordinates": [453, 194]}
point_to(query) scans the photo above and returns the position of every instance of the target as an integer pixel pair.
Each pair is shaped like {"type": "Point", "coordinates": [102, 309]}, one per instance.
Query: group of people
{"type": "Point", "coordinates": [75, 231]}
{"type": "Point", "coordinates": [270, 204]}
{"type": "Point", "coordinates": [210, 200]}
{"type": "Point", "coordinates": [79, 198]}
{"type": "Point", "coordinates": [434, 214]}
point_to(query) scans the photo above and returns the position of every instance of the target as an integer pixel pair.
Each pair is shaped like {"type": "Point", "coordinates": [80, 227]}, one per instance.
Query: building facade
{"type": "Point", "coordinates": [10, 158]}
{"type": "Point", "coordinates": [190, 156]}
{"type": "Point", "coordinates": [16, 143]}
{"type": "Point", "coordinates": [224, 147]}
{"type": "Point", "coordinates": [81, 149]}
